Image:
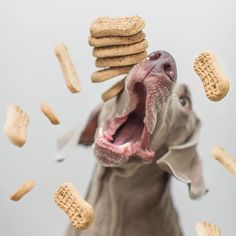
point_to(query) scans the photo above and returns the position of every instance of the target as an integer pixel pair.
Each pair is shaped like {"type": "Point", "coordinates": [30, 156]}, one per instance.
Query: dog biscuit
{"type": "Point", "coordinates": [16, 125]}
{"type": "Point", "coordinates": [114, 90]}
{"type": "Point", "coordinates": [103, 75]}
{"type": "Point", "coordinates": [78, 210]}
{"type": "Point", "coordinates": [116, 40]}
{"type": "Point", "coordinates": [215, 84]}
{"type": "Point", "coordinates": [204, 228]}
{"type": "Point", "coordinates": [23, 190]}
{"type": "Point", "coordinates": [121, 60]}
{"type": "Point", "coordinates": [225, 159]}
{"type": "Point", "coordinates": [121, 50]}
{"type": "Point", "coordinates": [116, 26]}
{"type": "Point", "coordinates": [67, 67]}
{"type": "Point", "coordinates": [48, 112]}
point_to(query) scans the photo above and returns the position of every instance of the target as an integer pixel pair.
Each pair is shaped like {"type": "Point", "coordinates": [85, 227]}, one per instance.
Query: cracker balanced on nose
{"type": "Point", "coordinates": [105, 74]}
{"type": "Point", "coordinates": [116, 40]}
{"type": "Point", "coordinates": [119, 43]}
{"type": "Point", "coordinates": [116, 26]}
{"type": "Point", "coordinates": [120, 50]}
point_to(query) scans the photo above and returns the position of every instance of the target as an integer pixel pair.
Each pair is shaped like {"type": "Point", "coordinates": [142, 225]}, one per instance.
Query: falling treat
{"type": "Point", "coordinates": [121, 60]}
{"type": "Point", "coordinates": [103, 75]}
{"type": "Point", "coordinates": [116, 40]}
{"type": "Point", "coordinates": [67, 67]}
{"type": "Point", "coordinates": [48, 112]}
{"type": "Point", "coordinates": [78, 210]}
{"type": "Point", "coordinates": [120, 50]}
{"type": "Point", "coordinates": [16, 125]}
{"type": "Point", "coordinates": [204, 228]}
{"type": "Point", "coordinates": [225, 159]}
{"type": "Point", "coordinates": [116, 26]}
{"type": "Point", "coordinates": [214, 81]}
{"type": "Point", "coordinates": [23, 190]}
{"type": "Point", "coordinates": [113, 91]}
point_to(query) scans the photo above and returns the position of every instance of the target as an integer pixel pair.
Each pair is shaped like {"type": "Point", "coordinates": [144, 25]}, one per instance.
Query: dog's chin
{"type": "Point", "coordinates": [111, 155]}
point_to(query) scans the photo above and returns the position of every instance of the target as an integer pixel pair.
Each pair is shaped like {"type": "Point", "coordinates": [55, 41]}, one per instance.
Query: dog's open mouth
{"type": "Point", "coordinates": [128, 135]}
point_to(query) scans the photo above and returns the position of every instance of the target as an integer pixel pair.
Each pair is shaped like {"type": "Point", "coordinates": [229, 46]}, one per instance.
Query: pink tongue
{"type": "Point", "coordinates": [131, 130]}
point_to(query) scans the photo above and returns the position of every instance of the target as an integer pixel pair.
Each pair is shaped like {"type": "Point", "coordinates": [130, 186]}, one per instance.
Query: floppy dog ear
{"type": "Point", "coordinates": [183, 163]}
{"type": "Point", "coordinates": [88, 133]}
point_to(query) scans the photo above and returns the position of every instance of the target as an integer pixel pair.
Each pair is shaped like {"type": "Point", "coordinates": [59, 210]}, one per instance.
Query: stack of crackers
{"type": "Point", "coordinates": [119, 43]}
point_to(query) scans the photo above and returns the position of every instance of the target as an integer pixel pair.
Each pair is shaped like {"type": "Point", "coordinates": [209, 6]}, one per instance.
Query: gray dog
{"type": "Point", "coordinates": [141, 137]}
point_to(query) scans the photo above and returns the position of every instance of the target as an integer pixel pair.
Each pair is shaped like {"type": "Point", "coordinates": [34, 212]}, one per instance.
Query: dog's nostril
{"type": "Point", "coordinates": [154, 55]}
{"type": "Point", "coordinates": [167, 67]}
{"type": "Point", "coordinates": [169, 71]}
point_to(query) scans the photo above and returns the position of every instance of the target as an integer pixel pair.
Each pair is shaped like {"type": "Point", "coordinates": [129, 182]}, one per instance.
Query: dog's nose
{"type": "Point", "coordinates": [165, 63]}
{"type": "Point", "coordinates": [154, 55]}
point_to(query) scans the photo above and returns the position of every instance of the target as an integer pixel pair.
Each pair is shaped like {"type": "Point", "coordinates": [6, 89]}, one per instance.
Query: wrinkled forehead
{"type": "Point", "coordinates": [182, 90]}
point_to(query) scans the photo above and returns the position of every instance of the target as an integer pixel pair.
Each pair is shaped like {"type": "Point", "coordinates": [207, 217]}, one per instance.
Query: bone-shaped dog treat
{"type": "Point", "coordinates": [116, 40]}
{"type": "Point", "coordinates": [68, 68]}
{"type": "Point", "coordinates": [23, 190]}
{"type": "Point", "coordinates": [116, 26]}
{"type": "Point", "coordinates": [215, 84]}
{"type": "Point", "coordinates": [108, 73]}
{"type": "Point", "coordinates": [121, 60]}
{"type": "Point", "coordinates": [204, 228]}
{"type": "Point", "coordinates": [225, 159]}
{"type": "Point", "coordinates": [120, 50]}
{"type": "Point", "coordinates": [48, 112]}
{"type": "Point", "coordinates": [114, 90]}
{"type": "Point", "coordinates": [79, 211]}
{"type": "Point", "coordinates": [16, 125]}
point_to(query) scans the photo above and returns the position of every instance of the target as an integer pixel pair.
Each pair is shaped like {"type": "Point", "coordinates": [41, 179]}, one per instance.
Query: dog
{"type": "Point", "coordinates": [141, 138]}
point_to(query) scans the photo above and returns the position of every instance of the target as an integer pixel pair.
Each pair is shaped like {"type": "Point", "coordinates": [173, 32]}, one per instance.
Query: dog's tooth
{"type": "Point", "coordinates": [108, 137]}
{"type": "Point", "coordinates": [123, 146]}
{"type": "Point", "coordinates": [100, 131]}
{"type": "Point", "coordinates": [126, 148]}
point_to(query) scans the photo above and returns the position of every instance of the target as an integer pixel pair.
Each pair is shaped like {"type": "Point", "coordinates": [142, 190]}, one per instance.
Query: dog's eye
{"type": "Point", "coordinates": [185, 102]}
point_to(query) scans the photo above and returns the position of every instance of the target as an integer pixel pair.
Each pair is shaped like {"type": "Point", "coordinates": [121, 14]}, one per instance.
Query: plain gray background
{"type": "Point", "coordinates": [30, 74]}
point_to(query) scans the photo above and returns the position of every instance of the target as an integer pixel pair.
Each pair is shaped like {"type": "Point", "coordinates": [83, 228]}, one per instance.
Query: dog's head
{"type": "Point", "coordinates": [150, 113]}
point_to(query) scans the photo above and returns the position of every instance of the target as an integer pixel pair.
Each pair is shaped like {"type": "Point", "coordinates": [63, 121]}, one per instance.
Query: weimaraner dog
{"type": "Point", "coordinates": [141, 138]}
